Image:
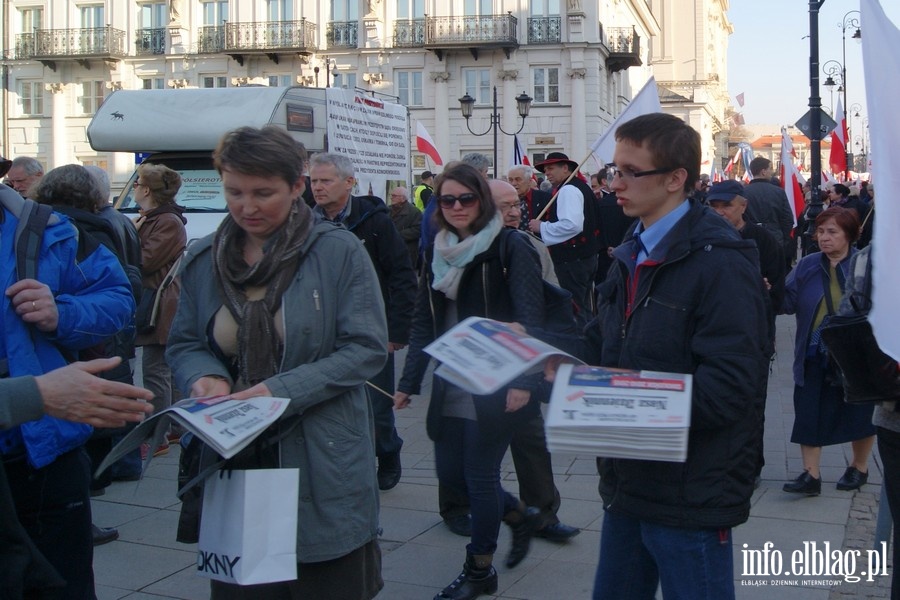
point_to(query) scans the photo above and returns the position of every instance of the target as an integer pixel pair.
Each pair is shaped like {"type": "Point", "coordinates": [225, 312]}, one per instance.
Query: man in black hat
{"type": "Point", "coordinates": [570, 230]}
{"type": "Point", "coordinates": [725, 199]}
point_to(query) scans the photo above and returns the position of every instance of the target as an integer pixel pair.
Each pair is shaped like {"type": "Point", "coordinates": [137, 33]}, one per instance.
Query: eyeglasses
{"type": "Point", "coordinates": [465, 200]}
{"type": "Point", "coordinates": [137, 184]}
{"type": "Point", "coordinates": [612, 171]}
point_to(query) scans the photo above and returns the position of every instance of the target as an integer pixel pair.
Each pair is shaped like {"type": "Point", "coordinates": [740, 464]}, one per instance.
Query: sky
{"type": "Point", "coordinates": [768, 57]}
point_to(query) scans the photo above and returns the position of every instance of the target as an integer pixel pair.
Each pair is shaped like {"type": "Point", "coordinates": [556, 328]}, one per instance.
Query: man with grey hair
{"type": "Point", "coordinates": [24, 173]}
{"type": "Point", "coordinates": [331, 177]}
{"type": "Point", "coordinates": [531, 200]}
{"type": "Point", "coordinates": [408, 221]}
{"type": "Point", "coordinates": [479, 161]}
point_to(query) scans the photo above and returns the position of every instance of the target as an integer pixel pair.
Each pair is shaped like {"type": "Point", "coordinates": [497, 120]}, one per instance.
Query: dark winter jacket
{"type": "Point", "coordinates": [767, 204]}
{"type": "Point", "coordinates": [804, 290]}
{"type": "Point", "coordinates": [484, 291]}
{"type": "Point", "coordinates": [695, 306]}
{"type": "Point", "coordinates": [370, 220]}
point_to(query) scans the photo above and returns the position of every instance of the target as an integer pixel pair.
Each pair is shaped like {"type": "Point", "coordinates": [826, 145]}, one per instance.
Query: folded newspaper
{"type": "Point", "coordinates": [482, 355]}
{"type": "Point", "coordinates": [226, 425]}
{"type": "Point", "coordinates": [619, 413]}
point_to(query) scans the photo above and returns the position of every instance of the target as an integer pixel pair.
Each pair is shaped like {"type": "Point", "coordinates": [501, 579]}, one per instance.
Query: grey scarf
{"type": "Point", "coordinates": [259, 347]}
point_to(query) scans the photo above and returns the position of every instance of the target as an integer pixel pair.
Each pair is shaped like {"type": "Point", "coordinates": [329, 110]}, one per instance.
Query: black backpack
{"type": "Point", "coordinates": [559, 309]}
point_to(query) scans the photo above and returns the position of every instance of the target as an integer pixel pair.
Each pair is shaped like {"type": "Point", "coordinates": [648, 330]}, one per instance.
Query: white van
{"type": "Point", "coordinates": [181, 128]}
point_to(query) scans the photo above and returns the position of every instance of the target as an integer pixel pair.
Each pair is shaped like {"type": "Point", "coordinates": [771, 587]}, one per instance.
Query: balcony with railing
{"type": "Point", "coordinates": [624, 45]}
{"type": "Point", "coordinates": [270, 38]}
{"type": "Point", "coordinates": [342, 34]}
{"type": "Point", "coordinates": [81, 44]}
{"type": "Point", "coordinates": [24, 46]}
{"type": "Point", "coordinates": [544, 30]}
{"type": "Point", "coordinates": [409, 33]}
{"type": "Point", "coordinates": [150, 41]}
{"type": "Point", "coordinates": [211, 39]}
{"type": "Point", "coordinates": [472, 33]}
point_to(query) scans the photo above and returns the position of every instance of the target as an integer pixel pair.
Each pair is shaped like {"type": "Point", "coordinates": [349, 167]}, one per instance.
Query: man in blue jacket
{"type": "Point", "coordinates": [685, 296]}
{"type": "Point", "coordinates": [71, 305]}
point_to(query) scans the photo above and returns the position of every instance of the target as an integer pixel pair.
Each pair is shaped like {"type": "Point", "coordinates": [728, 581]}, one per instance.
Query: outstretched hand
{"type": "Point", "coordinates": [75, 393]}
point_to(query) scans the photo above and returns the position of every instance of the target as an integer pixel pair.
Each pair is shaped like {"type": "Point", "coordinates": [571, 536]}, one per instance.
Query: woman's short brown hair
{"type": "Point", "coordinates": [845, 218]}
{"type": "Point", "coordinates": [266, 152]}
{"type": "Point", "coordinates": [162, 182]}
{"type": "Point", "coordinates": [470, 177]}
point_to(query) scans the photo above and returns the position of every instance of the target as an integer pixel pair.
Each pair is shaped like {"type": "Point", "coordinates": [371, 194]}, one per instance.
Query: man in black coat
{"type": "Point", "coordinates": [725, 198]}
{"type": "Point", "coordinates": [685, 296]}
{"type": "Point", "coordinates": [331, 177]}
{"type": "Point", "coordinates": [532, 200]}
{"type": "Point", "coordinates": [767, 205]}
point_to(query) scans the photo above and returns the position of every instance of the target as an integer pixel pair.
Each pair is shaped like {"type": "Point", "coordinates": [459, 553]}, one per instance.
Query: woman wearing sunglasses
{"type": "Point", "coordinates": [465, 277]}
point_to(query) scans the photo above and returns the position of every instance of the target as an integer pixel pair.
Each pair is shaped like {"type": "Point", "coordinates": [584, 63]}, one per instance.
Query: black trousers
{"type": "Point", "coordinates": [387, 441]}
{"type": "Point", "coordinates": [533, 469]}
{"type": "Point", "coordinates": [54, 506]}
{"type": "Point", "coordinates": [889, 449]}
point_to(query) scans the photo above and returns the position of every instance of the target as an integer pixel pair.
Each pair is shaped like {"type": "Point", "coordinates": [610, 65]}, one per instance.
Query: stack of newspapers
{"type": "Point", "coordinates": [619, 413]}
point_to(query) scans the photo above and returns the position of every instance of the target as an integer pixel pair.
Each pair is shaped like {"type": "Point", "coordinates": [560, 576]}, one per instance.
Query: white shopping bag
{"type": "Point", "coordinates": [248, 528]}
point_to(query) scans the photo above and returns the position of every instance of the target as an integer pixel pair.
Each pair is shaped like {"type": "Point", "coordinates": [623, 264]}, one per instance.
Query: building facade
{"type": "Point", "coordinates": [581, 63]}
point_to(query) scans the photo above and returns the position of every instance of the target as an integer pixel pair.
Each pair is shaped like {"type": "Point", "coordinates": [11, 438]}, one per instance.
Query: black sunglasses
{"type": "Point", "coordinates": [465, 200]}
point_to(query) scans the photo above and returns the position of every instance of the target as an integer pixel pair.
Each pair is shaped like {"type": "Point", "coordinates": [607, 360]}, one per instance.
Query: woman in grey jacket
{"type": "Point", "coordinates": [292, 310]}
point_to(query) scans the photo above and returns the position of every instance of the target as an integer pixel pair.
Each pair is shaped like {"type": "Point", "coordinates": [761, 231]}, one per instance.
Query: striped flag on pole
{"type": "Point", "coordinates": [789, 180]}
{"type": "Point", "coordinates": [426, 145]}
{"type": "Point", "coordinates": [520, 157]}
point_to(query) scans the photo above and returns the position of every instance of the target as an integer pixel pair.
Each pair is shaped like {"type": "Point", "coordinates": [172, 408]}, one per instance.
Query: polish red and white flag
{"type": "Point", "coordinates": [838, 157]}
{"type": "Point", "coordinates": [426, 145]}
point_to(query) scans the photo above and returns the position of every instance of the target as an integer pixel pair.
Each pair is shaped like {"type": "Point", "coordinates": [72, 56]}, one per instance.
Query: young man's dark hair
{"type": "Point", "coordinates": [759, 164]}
{"type": "Point", "coordinates": [673, 143]}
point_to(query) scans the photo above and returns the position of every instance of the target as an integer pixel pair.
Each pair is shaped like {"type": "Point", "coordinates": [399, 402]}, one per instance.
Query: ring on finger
{"type": "Point", "coordinates": [33, 306]}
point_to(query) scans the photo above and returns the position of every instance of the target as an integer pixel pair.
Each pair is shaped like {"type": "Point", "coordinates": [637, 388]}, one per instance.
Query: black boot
{"type": "Point", "coordinates": [523, 523]}
{"type": "Point", "coordinates": [478, 577]}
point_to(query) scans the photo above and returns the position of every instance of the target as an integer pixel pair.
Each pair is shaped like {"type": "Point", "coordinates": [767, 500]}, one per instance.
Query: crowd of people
{"type": "Point", "coordinates": [310, 294]}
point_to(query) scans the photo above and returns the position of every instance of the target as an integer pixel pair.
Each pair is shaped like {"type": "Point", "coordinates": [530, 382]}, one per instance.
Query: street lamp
{"type": "Point", "coordinates": [836, 73]}
{"type": "Point", "coordinates": [814, 207]}
{"type": "Point", "coordinates": [523, 105]}
{"type": "Point", "coordinates": [848, 22]}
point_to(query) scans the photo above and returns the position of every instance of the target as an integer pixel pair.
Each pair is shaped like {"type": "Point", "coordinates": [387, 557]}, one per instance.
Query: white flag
{"type": "Point", "coordinates": [881, 66]}
{"type": "Point", "coordinates": [646, 102]}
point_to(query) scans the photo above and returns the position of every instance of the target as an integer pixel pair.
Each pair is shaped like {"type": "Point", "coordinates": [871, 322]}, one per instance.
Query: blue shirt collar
{"type": "Point", "coordinates": [651, 236]}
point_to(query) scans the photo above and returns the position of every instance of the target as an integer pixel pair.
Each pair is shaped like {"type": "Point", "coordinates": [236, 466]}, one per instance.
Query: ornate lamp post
{"type": "Point", "coordinates": [523, 105]}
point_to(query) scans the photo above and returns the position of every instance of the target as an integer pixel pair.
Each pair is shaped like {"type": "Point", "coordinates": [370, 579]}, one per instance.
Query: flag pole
{"type": "Point", "coordinates": [568, 179]}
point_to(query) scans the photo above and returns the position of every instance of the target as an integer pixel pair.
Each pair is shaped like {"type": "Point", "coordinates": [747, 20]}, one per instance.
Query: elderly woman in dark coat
{"type": "Point", "coordinates": [813, 290]}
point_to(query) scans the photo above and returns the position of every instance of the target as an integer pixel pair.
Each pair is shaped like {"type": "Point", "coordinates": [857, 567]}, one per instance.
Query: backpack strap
{"type": "Point", "coordinates": [33, 219]}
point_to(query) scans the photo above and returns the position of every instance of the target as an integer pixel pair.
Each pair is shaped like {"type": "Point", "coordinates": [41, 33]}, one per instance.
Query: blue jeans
{"type": "Point", "coordinates": [469, 463]}
{"type": "Point", "coordinates": [637, 556]}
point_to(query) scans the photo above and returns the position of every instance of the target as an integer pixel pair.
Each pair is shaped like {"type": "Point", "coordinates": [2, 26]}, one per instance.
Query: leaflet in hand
{"type": "Point", "coordinates": [482, 355]}
{"type": "Point", "coordinates": [226, 425]}
{"type": "Point", "coordinates": [620, 413]}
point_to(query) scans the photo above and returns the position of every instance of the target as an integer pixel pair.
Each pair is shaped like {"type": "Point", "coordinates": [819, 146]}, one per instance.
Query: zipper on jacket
{"type": "Point", "coordinates": [484, 288]}
{"type": "Point", "coordinates": [316, 299]}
